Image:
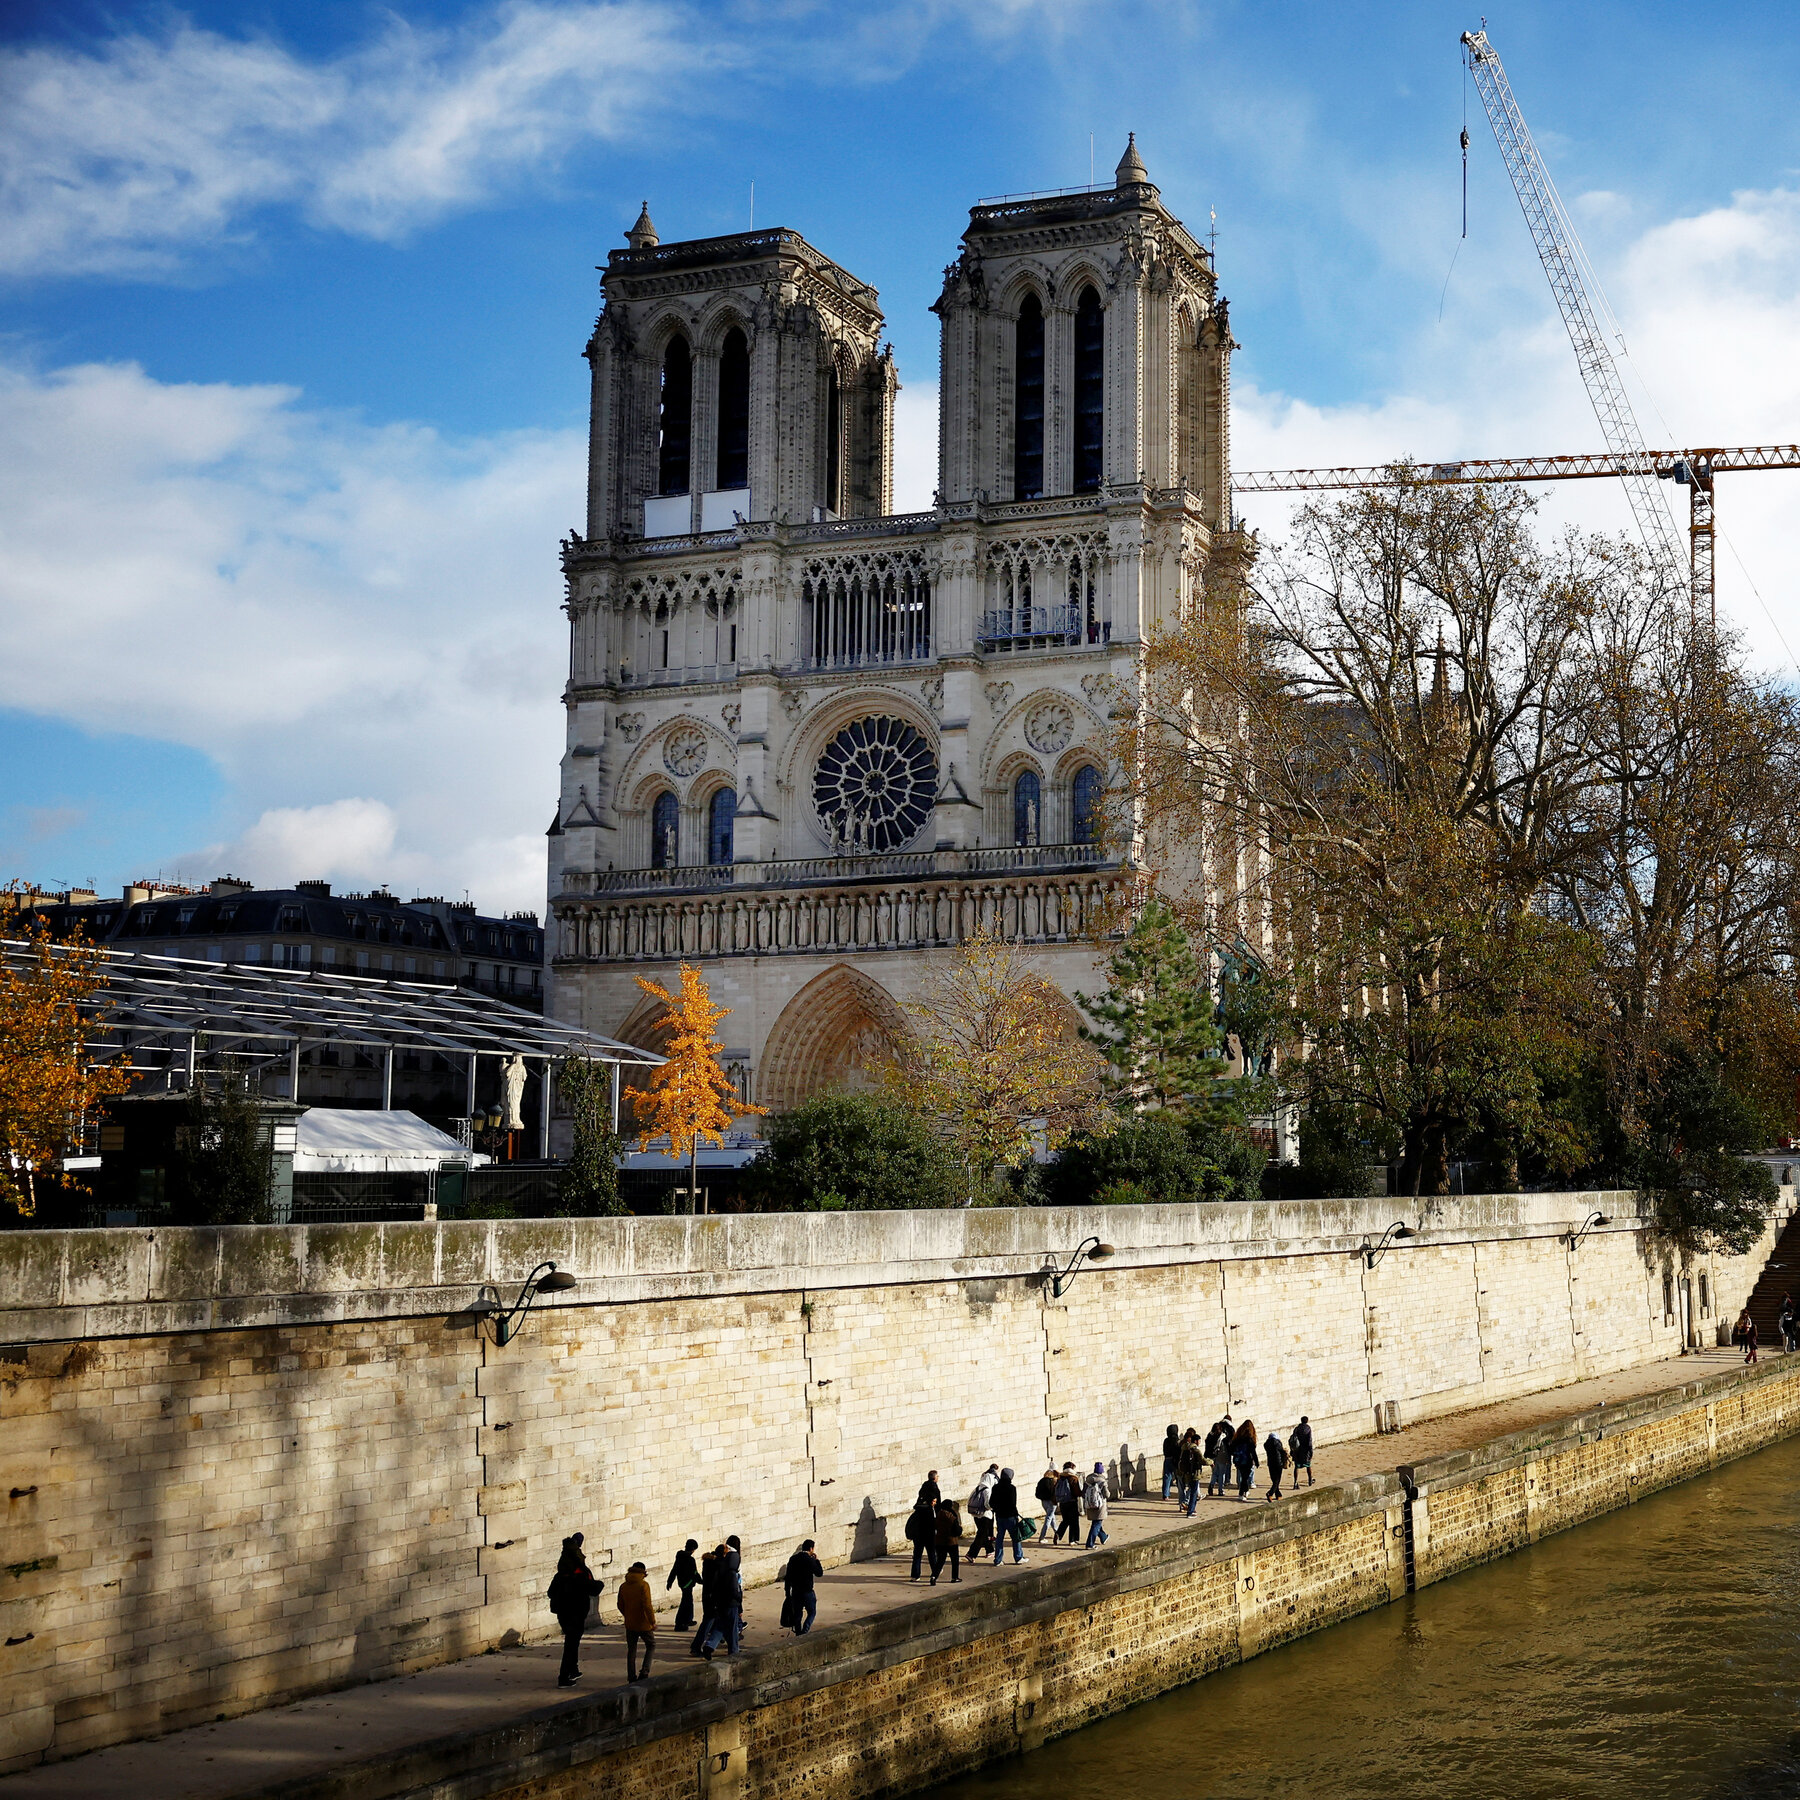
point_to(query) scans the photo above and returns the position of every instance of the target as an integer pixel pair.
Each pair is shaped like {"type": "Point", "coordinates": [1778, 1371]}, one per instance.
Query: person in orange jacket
{"type": "Point", "coordinates": [638, 1610]}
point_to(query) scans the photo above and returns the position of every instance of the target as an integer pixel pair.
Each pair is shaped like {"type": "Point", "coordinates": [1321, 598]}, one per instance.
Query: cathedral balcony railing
{"type": "Point", "coordinates": [867, 659]}
{"type": "Point", "coordinates": [812, 871]}
{"type": "Point", "coordinates": [694, 672]}
{"type": "Point", "coordinates": [1040, 628]}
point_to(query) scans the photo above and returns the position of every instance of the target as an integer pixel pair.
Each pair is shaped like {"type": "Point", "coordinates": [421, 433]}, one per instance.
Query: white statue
{"type": "Point", "coordinates": [513, 1079]}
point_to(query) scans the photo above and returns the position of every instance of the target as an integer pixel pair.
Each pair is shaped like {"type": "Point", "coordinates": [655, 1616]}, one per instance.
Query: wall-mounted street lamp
{"type": "Point", "coordinates": [1394, 1234]}
{"type": "Point", "coordinates": [1593, 1223]}
{"type": "Point", "coordinates": [546, 1278]}
{"type": "Point", "coordinates": [1089, 1250]}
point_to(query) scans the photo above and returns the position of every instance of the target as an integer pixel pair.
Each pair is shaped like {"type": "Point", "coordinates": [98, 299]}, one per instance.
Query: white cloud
{"type": "Point", "coordinates": [121, 158]}
{"type": "Point", "coordinates": [359, 624]}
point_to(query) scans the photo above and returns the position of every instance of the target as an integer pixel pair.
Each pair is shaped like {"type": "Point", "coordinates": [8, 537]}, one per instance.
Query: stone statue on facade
{"type": "Point", "coordinates": [512, 1080]}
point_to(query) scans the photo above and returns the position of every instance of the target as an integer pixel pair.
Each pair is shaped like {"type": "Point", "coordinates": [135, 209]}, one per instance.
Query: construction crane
{"type": "Point", "coordinates": [1692, 469]}
{"type": "Point", "coordinates": [1565, 263]}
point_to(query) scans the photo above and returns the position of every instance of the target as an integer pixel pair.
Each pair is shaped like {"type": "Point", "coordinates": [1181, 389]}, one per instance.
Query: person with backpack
{"type": "Point", "coordinates": [686, 1571]}
{"type": "Point", "coordinates": [1187, 1471]}
{"type": "Point", "coordinates": [638, 1611]}
{"type": "Point", "coordinates": [1218, 1453]}
{"type": "Point", "coordinates": [946, 1536]}
{"type": "Point", "coordinates": [1093, 1503]}
{"type": "Point", "coordinates": [1300, 1448]}
{"type": "Point", "coordinates": [1046, 1498]}
{"type": "Point", "coordinates": [1171, 1459]}
{"type": "Point", "coordinates": [1005, 1503]}
{"type": "Point", "coordinates": [982, 1512]}
{"type": "Point", "coordinates": [1243, 1455]}
{"type": "Point", "coordinates": [571, 1593]}
{"type": "Point", "coordinates": [1068, 1504]}
{"type": "Point", "coordinates": [1276, 1456]}
{"type": "Point", "coordinates": [921, 1530]}
{"type": "Point", "coordinates": [1788, 1324]}
{"type": "Point", "coordinates": [801, 1606]}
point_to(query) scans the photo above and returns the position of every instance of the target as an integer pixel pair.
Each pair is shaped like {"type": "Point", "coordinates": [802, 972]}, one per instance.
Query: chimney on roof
{"type": "Point", "coordinates": [317, 890]}
{"type": "Point", "coordinates": [230, 884]}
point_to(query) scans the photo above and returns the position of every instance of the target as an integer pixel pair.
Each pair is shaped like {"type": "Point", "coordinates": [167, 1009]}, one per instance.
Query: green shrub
{"type": "Point", "coordinates": [851, 1152]}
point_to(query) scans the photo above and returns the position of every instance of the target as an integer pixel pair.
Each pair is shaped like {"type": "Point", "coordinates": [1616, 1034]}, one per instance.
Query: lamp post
{"type": "Point", "coordinates": [1592, 1223]}
{"type": "Point", "coordinates": [1090, 1250]}
{"type": "Point", "coordinates": [1395, 1233]}
{"type": "Point", "coordinates": [546, 1278]}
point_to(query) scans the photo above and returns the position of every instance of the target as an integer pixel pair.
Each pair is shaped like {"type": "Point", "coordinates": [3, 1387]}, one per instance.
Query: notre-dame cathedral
{"type": "Point", "coordinates": [814, 744]}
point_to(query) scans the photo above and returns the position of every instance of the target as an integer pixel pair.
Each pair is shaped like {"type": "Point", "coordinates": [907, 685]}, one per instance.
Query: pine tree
{"type": "Point", "coordinates": [588, 1186]}
{"type": "Point", "coordinates": [1155, 1024]}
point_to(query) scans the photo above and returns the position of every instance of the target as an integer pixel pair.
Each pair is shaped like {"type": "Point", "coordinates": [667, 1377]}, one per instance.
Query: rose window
{"type": "Point", "coordinates": [875, 785]}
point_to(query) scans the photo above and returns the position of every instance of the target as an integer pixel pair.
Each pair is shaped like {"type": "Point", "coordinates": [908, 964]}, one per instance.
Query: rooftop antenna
{"type": "Point", "coordinates": [1212, 235]}
{"type": "Point", "coordinates": [1090, 159]}
{"type": "Point", "coordinates": [753, 199]}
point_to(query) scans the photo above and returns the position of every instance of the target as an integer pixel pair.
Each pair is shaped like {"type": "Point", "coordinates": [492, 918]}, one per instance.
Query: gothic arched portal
{"type": "Point", "coordinates": [831, 1037]}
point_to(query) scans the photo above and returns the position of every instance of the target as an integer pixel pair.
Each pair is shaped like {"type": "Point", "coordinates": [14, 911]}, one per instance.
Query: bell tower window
{"type": "Point", "coordinates": [1028, 411]}
{"type": "Point", "coordinates": [1090, 391]}
{"type": "Point", "coordinates": [834, 440]}
{"type": "Point", "coordinates": [734, 411]}
{"type": "Point", "coordinates": [675, 419]}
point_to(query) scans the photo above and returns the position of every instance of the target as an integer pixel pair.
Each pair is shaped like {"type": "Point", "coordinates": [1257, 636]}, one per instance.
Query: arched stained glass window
{"type": "Point", "coordinates": [1028, 414]}
{"type": "Point", "coordinates": [1027, 807]}
{"type": "Point", "coordinates": [1084, 821]}
{"type": "Point", "coordinates": [665, 831]}
{"type": "Point", "coordinates": [720, 817]}
{"type": "Point", "coordinates": [1090, 391]}
{"type": "Point", "coordinates": [675, 419]}
{"type": "Point", "coordinates": [734, 411]}
{"type": "Point", "coordinates": [834, 442]}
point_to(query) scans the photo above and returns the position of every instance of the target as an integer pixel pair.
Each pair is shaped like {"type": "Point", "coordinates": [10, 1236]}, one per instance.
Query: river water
{"type": "Point", "coordinates": [1654, 1651]}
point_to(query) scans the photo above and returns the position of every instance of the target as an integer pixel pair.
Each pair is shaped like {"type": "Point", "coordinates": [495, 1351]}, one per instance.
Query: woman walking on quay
{"type": "Point", "coordinates": [1046, 1498]}
{"type": "Point", "coordinates": [1276, 1456]}
{"type": "Point", "coordinates": [1187, 1468]}
{"type": "Point", "coordinates": [945, 1538]}
{"type": "Point", "coordinates": [1300, 1448]}
{"type": "Point", "coordinates": [1005, 1502]}
{"type": "Point", "coordinates": [1068, 1504]}
{"type": "Point", "coordinates": [687, 1572]}
{"type": "Point", "coordinates": [1218, 1453]}
{"type": "Point", "coordinates": [638, 1611]}
{"type": "Point", "coordinates": [572, 1590]}
{"type": "Point", "coordinates": [982, 1512]}
{"type": "Point", "coordinates": [1243, 1454]}
{"type": "Point", "coordinates": [1093, 1500]}
{"type": "Point", "coordinates": [1171, 1458]}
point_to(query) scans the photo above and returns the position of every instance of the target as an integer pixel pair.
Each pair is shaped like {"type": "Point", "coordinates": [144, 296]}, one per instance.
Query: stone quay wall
{"type": "Point", "coordinates": [250, 1463]}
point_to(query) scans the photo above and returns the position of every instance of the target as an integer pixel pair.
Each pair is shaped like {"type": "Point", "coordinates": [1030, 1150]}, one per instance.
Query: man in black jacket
{"type": "Point", "coordinates": [687, 1572]}
{"type": "Point", "coordinates": [1218, 1453]}
{"type": "Point", "coordinates": [571, 1593]}
{"type": "Point", "coordinates": [803, 1569]}
{"type": "Point", "coordinates": [1189, 1463]}
{"type": "Point", "coordinates": [1005, 1502]}
{"type": "Point", "coordinates": [921, 1530]}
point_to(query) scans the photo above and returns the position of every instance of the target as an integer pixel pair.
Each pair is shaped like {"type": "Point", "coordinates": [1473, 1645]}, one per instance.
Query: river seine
{"type": "Point", "coordinates": [1655, 1651]}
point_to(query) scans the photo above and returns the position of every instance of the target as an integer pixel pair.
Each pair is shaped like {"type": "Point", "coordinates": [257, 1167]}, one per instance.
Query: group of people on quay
{"type": "Point", "coordinates": [1066, 1497]}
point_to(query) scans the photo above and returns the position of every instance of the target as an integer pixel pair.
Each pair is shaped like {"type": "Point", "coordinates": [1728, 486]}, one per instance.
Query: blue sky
{"type": "Point", "coordinates": [292, 299]}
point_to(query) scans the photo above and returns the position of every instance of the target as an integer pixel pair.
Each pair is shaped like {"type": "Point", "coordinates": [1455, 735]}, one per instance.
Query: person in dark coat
{"type": "Point", "coordinates": [1300, 1447]}
{"type": "Point", "coordinates": [929, 1489]}
{"type": "Point", "coordinates": [571, 1593]}
{"type": "Point", "coordinates": [803, 1569]}
{"type": "Point", "coordinates": [1218, 1453]}
{"type": "Point", "coordinates": [921, 1532]}
{"type": "Point", "coordinates": [1068, 1504]}
{"type": "Point", "coordinates": [1243, 1455]}
{"type": "Point", "coordinates": [686, 1571]}
{"type": "Point", "coordinates": [720, 1598]}
{"type": "Point", "coordinates": [1787, 1322]}
{"type": "Point", "coordinates": [1187, 1468]}
{"type": "Point", "coordinates": [1276, 1456]}
{"type": "Point", "coordinates": [709, 1595]}
{"type": "Point", "coordinates": [1005, 1503]}
{"type": "Point", "coordinates": [946, 1536]}
{"type": "Point", "coordinates": [1171, 1457]}
{"type": "Point", "coordinates": [1046, 1498]}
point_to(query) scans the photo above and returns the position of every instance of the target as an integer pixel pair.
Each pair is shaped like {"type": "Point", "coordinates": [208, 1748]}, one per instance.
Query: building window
{"type": "Point", "coordinates": [1090, 391]}
{"type": "Point", "coordinates": [719, 819]}
{"type": "Point", "coordinates": [834, 440]}
{"type": "Point", "coordinates": [675, 418]}
{"type": "Point", "coordinates": [1028, 441]}
{"type": "Point", "coordinates": [1705, 1297]}
{"type": "Point", "coordinates": [665, 832]}
{"type": "Point", "coordinates": [1027, 794]}
{"type": "Point", "coordinates": [253, 953]}
{"type": "Point", "coordinates": [734, 411]}
{"type": "Point", "coordinates": [1084, 811]}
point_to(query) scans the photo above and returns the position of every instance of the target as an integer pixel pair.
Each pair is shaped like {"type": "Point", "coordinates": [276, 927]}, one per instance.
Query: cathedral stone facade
{"type": "Point", "coordinates": [814, 744]}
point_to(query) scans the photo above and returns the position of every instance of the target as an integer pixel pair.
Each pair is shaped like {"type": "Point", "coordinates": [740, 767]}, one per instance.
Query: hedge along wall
{"type": "Point", "coordinates": [255, 1462]}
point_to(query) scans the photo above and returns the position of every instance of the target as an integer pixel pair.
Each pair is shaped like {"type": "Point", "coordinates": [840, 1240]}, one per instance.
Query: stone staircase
{"type": "Point", "coordinates": [1781, 1275]}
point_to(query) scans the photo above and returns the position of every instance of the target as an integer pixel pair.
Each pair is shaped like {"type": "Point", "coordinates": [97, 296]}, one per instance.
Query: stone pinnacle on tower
{"type": "Point", "coordinates": [642, 236]}
{"type": "Point", "coordinates": [1131, 171]}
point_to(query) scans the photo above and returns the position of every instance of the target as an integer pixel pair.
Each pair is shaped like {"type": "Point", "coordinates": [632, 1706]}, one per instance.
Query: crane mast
{"type": "Point", "coordinates": [1559, 249]}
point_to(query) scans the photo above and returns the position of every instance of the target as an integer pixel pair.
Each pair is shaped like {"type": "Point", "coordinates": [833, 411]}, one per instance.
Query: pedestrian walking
{"type": "Point", "coordinates": [946, 1536]}
{"type": "Point", "coordinates": [709, 1600]}
{"type": "Point", "coordinates": [687, 1572]}
{"type": "Point", "coordinates": [1276, 1456]}
{"type": "Point", "coordinates": [929, 1489]}
{"type": "Point", "coordinates": [725, 1603]}
{"type": "Point", "coordinates": [1187, 1471]}
{"type": "Point", "coordinates": [1068, 1503]}
{"type": "Point", "coordinates": [638, 1611]}
{"type": "Point", "coordinates": [1745, 1334]}
{"type": "Point", "coordinates": [1093, 1503]}
{"type": "Point", "coordinates": [1005, 1504]}
{"type": "Point", "coordinates": [1300, 1448]}
{"type": "Point", "coordinates": [1171, 1459]}
{"type": "Point", "coordinates": [1243, 1455]}
{"type": "Point", "coordinates": [1218, 1453]}
{"type": "Point", "coordinates": [982, 1512]}
{"type": "Point", "coordinates": [571, 1593]}
{"type": "Point", "coordinates": [921, 1529]}
{"type": "Point", "coordinates": [1046, 1498]}
{"type": "Point", "coordinates": [801, 1606]}
{"type": "Point", "coordinates": [1788, 1324]}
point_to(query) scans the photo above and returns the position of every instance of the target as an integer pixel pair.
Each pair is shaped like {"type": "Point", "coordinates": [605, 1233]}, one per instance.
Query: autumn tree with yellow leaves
{"type": "Point", "coordinates": [690, 1096]}
{"type": "Point", "coordinates": [46, 1080]}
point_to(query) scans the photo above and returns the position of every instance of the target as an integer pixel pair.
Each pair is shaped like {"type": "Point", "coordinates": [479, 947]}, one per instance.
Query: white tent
{"type": "Point", "coordinates": [338, 1140]}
